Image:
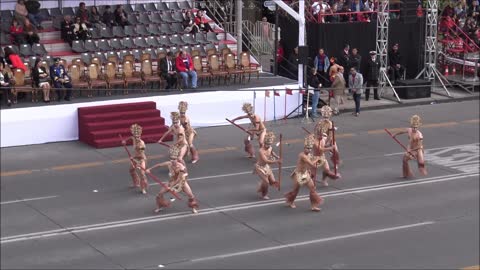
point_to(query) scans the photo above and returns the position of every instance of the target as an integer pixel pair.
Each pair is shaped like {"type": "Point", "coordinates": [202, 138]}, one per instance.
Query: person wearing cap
{"type": "Point", "coordinates": [394, 63]}
{"type": "Point", "coordinates": [168, 70]}
{"type": "Point", "coordinates": [60, 79]}
{"type": "Point", "coordinates": [372, 74]}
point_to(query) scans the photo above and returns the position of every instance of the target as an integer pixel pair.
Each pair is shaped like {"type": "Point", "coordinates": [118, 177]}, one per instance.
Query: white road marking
{"type": "Point", "coordinates": [30, 199]}
{"type": "Point", "coordinates": [448, 148]}
{"type": "Point", "coordinates": [316, 241]}
{"type": "Point", "coordinates": [226, 208]}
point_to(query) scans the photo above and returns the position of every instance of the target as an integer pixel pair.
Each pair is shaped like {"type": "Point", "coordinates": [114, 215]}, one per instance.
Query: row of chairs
{"type": "Point", "coordinates": [7, 15]}
{"type": "Point", "coordinates": [26, 50]}
{"type": "Point", "coordinates": [90, 45]}
{"type": "Point", "coordinates": [139, 30]}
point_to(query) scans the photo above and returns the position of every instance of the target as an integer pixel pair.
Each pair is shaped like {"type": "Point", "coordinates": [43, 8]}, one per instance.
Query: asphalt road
{"type": "Point", "coordinates": [67, 205]}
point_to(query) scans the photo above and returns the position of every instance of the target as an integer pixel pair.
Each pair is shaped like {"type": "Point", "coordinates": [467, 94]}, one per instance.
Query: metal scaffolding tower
{"type": "Point", "coordinates": [382, 44]}
{"type": "Point", "coordinates": [429, 70]}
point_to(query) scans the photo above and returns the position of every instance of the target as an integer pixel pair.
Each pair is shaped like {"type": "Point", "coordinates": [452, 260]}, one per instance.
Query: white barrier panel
{"type": "Point", "coordinates": [56, 123]}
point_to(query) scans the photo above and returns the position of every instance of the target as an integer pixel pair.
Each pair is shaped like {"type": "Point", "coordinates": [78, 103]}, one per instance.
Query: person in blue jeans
{"type": "Point", "coordinates": [314, 82]}
{"type": "Point", "coordinates": [355, 82]}
{"type": "Point", "coordinates": [185, 68]}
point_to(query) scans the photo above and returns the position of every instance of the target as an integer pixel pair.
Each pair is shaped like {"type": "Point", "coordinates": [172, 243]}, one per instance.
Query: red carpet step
{"type": "Point", "coordinates": [99, 126]}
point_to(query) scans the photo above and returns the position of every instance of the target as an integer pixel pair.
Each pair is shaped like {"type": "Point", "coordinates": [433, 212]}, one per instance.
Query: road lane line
{"type": "Point", "coordinates": [474, 267]}
{"type": "Point", "coordinates": [27, 200]}
{"type": "Point", "coordinates": [14, 173]}
{"type": "Point", "coordinates": [225, 208]}
{"type": "Point", "coordinates": [446, 149]}
{"type": "Point", "coordinates": [78, 166]}
{"type": "Point", "coordinates": [311, 242]}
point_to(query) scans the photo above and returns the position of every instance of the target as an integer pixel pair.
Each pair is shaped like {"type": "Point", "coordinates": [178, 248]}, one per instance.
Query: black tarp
{"type": "Point", "coordinates": [333, 36]}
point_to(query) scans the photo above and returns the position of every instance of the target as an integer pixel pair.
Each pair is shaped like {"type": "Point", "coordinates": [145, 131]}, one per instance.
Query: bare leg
{"type": "Point", "coordinates": [161, 202]}
{"type": "Point", "coordinates": [263, 185]}
{"type": "Point", "coordinates": [421, 163]}
{"type": "Point", "coordinates": [407, 173]}
{"type": "Point", "coordinates": [192, 202]}
{"type": "Point", "coordinates": [143, 178]}
{"type": "Point", "coordinates": [134, 175]}
{"type": "Point", "coordinates": [292, 195]}
{"type": "Point", "coordinates": [315, 199]}
{"type": "Point", "coordinates": [194, 153]}
{"type": "Point", "coordinates": [249, 148]}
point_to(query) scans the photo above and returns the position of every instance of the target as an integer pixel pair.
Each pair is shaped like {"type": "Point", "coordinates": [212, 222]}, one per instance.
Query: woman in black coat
{"type": "Point", "coordinates": [40, 79]}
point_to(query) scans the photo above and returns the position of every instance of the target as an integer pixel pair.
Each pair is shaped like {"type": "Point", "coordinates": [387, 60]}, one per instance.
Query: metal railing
{"type": "Point", "coordinates": [258, 37]}
{"type": "Point", "coordinates": [218, 11]}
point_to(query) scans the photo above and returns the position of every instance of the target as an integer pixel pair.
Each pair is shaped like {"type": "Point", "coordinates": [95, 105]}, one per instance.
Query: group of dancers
{"type": "Point", "coordinates": [317, 145]}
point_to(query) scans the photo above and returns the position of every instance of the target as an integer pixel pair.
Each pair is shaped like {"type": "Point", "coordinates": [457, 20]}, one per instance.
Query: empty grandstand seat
{"type": "Point", "coordinates": [150, 7]}
{"type": "Point", "coordinates": [201, 38]}
{"type": "Point", "coordinates": [152, 41]}
{"type": "Point", "coordinates": [6, 15]}
{"type": "Point", "coordinates": [151, 52]}
{"type": "Point", "coordinates": [68, 11]}
{"type": "Point", "coordinates": [86, 58]}
{"type": "Point", "coordinates": [140, 42]}
{"type": "Point", "coordinates": [106, 32]}
{"type": "Point", "coordinates": [14, 48]}
{"type": "Point", "coordinates": [130, 31]}
{"type": "Point", "coordinates": [78, 46]}
{"type": "Point", "coordinates": [140, 8]}
{"type": "Point", "coordinates": [143, 18]}
{"type": "Point", "coordinates": [178, 16]}
{"type": "Point", "coordinates": [185, 5]}
{"type": "Point", "coordinates": [165, 41]}
{"type": "Point", "coordinates": [31, 60]}
{"type": "Point", "coordinates": [161, 51]}
{"type": "Point", "coordinates": [137, 54]}
{"type": "Point", "coordinates": [188, 38]}
{"type": "Point", "coordinates": [95, 33]}
{"type": "Point", "coordinates": [118, 31]}
{"type": "Point", "coordinates": [39, 49]}
{"type": "Point", "coordinates": [153, 29]}
{"type": "Point", "coordinates": [44, 13]}
{"type": "Point", "coordinates": [177, 40]}
{"type": "Point", "coordinates": [56, 12]}
{"type": "Point", "coordinates": [162, 6]}
{"type": "Point", "coordinates": [101, 56]}
{"type": "Point", "coordinates": [212, 37]}
{"type": "Point", "coordinates": [116, 44]}
{"type": "Point", "coordinates": [174, 50]}
{"type": "Point", "coordinates": [128, 43]}
{"type": "Point", "coordinates": [165, 29]}
{"type": "Point", "coordinates": [103, 45]}
{"type": "Point", "coordinates": [167, 17]}
{"type": "Point", "coordinates": [174, 6]}
{"type": "Point", "coordinates": [141, 30]}
{"type": "Point", "coordinates": [155, 18]}
{"type": "Point", "coordinates": [178, 28]}
{"type": "Point", "coordinates": [187, 49]}
{"type": "Point", "coordinates": [4, 38]}
{"type": "Point", "coordinates": [128, 8]}
{"type": "Point", "coordinates": [200, 49]}
{"type": "Point", "coordinates": [132, 19]}
{"type": "Point", "coordinates": [90, 45]}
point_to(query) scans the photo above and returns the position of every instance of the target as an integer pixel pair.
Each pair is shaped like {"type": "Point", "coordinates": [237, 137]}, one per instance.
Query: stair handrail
{"type": "Point", "coordinates": [458, 29]}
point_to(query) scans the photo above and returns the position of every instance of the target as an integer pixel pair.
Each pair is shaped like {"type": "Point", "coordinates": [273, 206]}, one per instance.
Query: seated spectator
{"type": "Point", "coordinates": [33, 8]}
{"type": "Point", "coordinates": [66, 29]}
{"type": "Point", "coordinates": [108, 17]}
{"type": "Point", "coordinates": [41, 80]}
{"type": "Point", "coordinates": [395, 63]}
{"type": "Point", "coordinates": [31, 35]}
{"type": "Point", "coordinates": [94, 18]}
{"type": "Point", "coordinates": [13, 59]}
{"type": "Point", "coordinates": [5, 85]}
{"type": "Point", "coordinates": [202, 23]}
{"type": "Point", "coordinates": [21, 12]}
{"type": "Point", "coordinates": [60, 79]}
{"type": "Point", "coordinates": [82, 13]}
{"type": "Point", "coordinates": [17, 36]}
{"type": "Point", "coordinates": [168, 71]}
{"type": "Point", "coordinates": [184, 65]}
{"type": "Point", "coordinates": [189, 23]}
{"type": "Point", "coordinates": [121, 16]}
{"type": "Point", "coordinates": [80, 30]}
{"type": "Point", "coordinates": [474, 11]}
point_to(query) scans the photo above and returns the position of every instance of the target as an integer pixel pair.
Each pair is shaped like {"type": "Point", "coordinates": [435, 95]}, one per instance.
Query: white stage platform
{"type": "Point", "coordinates": [56, 123]}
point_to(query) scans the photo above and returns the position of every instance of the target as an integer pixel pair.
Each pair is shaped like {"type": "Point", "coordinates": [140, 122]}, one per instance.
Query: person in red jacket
{"type": "Point", "coordinates": [202, 23]}
{"type": "Point", "coordinates": [13, 59]}
{"type": "Point", "coordinates": [16, 33]}
{"type": "Point", "coordinates": [184, 65]}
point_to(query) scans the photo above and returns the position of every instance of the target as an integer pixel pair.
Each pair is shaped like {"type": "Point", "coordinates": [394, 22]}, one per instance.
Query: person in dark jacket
{"type": "Point", "coordinates": [66, 29]}
{"type": "Point", "coordinates": [168, 70]}
{"type": "Point", "coordinates": [60, 79]}
{"type": "Point", "coordinates": [314, 82]}
{"type": "Point", "coordinates": [108, 17]}
{"type": "Point", "coordinates": [41, 80]}
{"type": "Point", "coordinates": [5, 85]}
{"type": "Point", "coordinates": [355, 59]}
{"type": "Point", "coordinates": [395, 63]}
{"type": "Point", "coordinates": [372, 74]}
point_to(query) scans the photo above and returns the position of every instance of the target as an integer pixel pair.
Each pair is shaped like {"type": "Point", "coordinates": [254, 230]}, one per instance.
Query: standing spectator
{"type": "Point", "coordinates": [184, 65]}
{"type": "Point", "coordinates": [66, 30]}
{"type": "Point", "coordinates": [21, 12]}
{"type": "Point", "coordinates": [202, 23]}
{"type": "Point", "coordinates": [80, 30]}
{"type": "Point", "coordinates": [395, 60]}
{"type": "Point", "coordinates": [13, 59]}
{"type": "Point", "coordinates": [320, 8]}
{"type": "Point", "coordinates": [30, 33]}
{"type": "Point", "coordinates": [373, 72]}
{"type": "Point", "coordinates": [60, 79]}
{"type": "Point", "coordinates": [168, 71]}
{"type": "Point", "coordinates": [82, 13]}
{"type": "Point", "coordinates": [17, 35]}
{"type": "Point", "coordinates": [338, 87]}
{"type": "Point", "coordinates": [344, 59]}
{"type": "Point", "coordinates": [474, 10]}
{"type": "Point", "coordinates": [121, 16]}
{"type": "Point", "coordinates": [189, 23]}
{"type": "Point", "coordinates": [293, 63]}
{"type": "Point", "coordinates": [315, 83]}
{"type": "Point", "coordinates": [94, 18]}
{"type": "Point", "coordinates": [41, 80]}
{"type": "Point", "coordinates": [356, 85]}
{"type": "Point", "coordinates": [5, 84]}
{"type": "Point", "coordinates": [334, 18]}
{"type": "Point", "coordinates": [321, 65]}
{"type": "Point", "coordinates": [355, 59]}
{"type": "Point", "coordinates": [33, 8]}
{"type": "Point", "coordinates": [108, 17]}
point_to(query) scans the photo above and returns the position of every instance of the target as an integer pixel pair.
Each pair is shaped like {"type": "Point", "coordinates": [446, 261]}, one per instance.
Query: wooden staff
{"type": "Point", "coordinates": [403, 146]}
{"type": "Point", "coordinates": [306, 130]}
{"type": "Point", "coordinates": [280, 165]}
{"type": "Point", "coordinates": [149, 174]}
{"type": "Point", "coordinates": [233, 123]}
{"type": "Point", "coordinates": [334, 149]}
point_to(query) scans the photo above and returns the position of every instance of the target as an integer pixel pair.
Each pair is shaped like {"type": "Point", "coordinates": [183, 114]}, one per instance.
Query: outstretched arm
{"type": "Point", "coordinates": [400, 132]}
{"type": "Point", "coordinates": [124, 142]}
{"type": "Point", "coordinates": [240, 117]}
{"type": "Point", "coordinates": [165, 134]}
{"type": "Point", "coordinates": [163, 164]}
